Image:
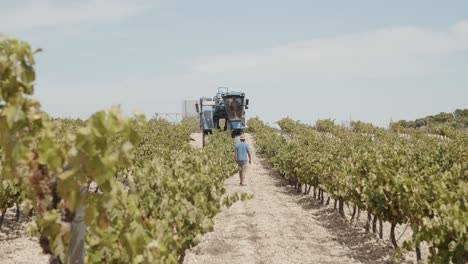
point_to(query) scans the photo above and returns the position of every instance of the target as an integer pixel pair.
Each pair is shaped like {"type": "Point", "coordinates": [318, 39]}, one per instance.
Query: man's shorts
{"type": "Point", "coordinates": [242, 164]}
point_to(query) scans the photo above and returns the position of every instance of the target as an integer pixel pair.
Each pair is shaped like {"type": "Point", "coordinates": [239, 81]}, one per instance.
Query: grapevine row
{"type": "Point", "coordinates": [413, 179]}
{"type": "Point", "coordinates": [136, 187]}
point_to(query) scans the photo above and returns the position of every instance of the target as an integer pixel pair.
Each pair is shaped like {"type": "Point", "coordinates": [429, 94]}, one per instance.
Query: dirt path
{"type": "Point", "coordinates": [280, 226]}
{"type": "Point", "coordinates": [15, 246]}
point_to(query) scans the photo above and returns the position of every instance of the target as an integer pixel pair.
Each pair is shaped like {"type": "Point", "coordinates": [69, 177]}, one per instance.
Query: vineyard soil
{"type": "Point", "coordinates": [16, 247]}
{"type": "Point", "coordinates": [280, 226]}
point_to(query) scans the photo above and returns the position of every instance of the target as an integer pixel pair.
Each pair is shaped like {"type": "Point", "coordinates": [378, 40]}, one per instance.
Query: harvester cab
{"type": "Point", "coordinates": [235, 112]}
{"type": "Point", "coordinates": [227, 106]}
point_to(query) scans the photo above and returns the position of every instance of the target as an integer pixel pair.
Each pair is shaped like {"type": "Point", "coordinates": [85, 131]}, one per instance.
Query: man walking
{"type": "Point", "coordinates": [241, 153]}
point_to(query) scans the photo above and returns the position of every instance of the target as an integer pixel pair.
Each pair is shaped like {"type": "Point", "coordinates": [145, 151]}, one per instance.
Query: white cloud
{"type": "Point", "coordinates": [402, 72]}
{"type": "Point", "coordinates": [350, 57]}
{"type": "Point", "coordinates": [34, 14]}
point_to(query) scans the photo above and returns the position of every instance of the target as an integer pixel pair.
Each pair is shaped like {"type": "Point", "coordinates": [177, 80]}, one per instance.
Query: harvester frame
{"type": "Point", "coordinates": [227, 105]}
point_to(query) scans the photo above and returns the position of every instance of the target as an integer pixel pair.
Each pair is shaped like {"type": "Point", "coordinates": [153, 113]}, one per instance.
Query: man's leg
{"type": "Point", "coordinates": [244, 171]}
{"type": "Point", "coordinates": [242, 175]}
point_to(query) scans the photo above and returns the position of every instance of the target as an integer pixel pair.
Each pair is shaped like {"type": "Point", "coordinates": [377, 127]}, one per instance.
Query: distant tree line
{"type": "Point", "coordinates": [457, 120]}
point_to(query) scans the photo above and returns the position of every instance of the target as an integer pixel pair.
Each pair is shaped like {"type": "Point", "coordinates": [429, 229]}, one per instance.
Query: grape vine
{"type": "Point", "coordinates": [141, 193]}
{"type": "Point", "coordinates": [405, 177]}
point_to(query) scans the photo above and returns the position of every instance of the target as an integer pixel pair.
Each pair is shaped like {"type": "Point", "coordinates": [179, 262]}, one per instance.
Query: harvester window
{"type": "Point", "coordinates": [208, 120]}
{"type": "Point", "coordinates": [234, 108]}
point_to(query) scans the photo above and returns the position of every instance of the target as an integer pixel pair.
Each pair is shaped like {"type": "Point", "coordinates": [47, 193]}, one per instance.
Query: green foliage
{"type": "Point", "coordinates": [414, 178]}
{"type": "Point", "coordinates": [154, 197]}
{"type": "Point", "coordinates": [20, 119]}
{"type": "Point", "coordinates": [11, 194]}
{"type": "Point", "coordinates": [192, 123]}
{"type": "Point", "coordinates": [457, 120]}
{"type": "Point", "coordinates": [181, 190]}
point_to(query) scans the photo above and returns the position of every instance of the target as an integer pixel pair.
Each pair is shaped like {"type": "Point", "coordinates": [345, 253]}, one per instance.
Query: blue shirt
{"type": "Point", "coordinates": [242, 149]}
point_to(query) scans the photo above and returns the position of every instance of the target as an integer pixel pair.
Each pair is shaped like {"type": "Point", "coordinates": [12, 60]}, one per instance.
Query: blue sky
{"type": "Point", "coordinates": [366, 60]}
